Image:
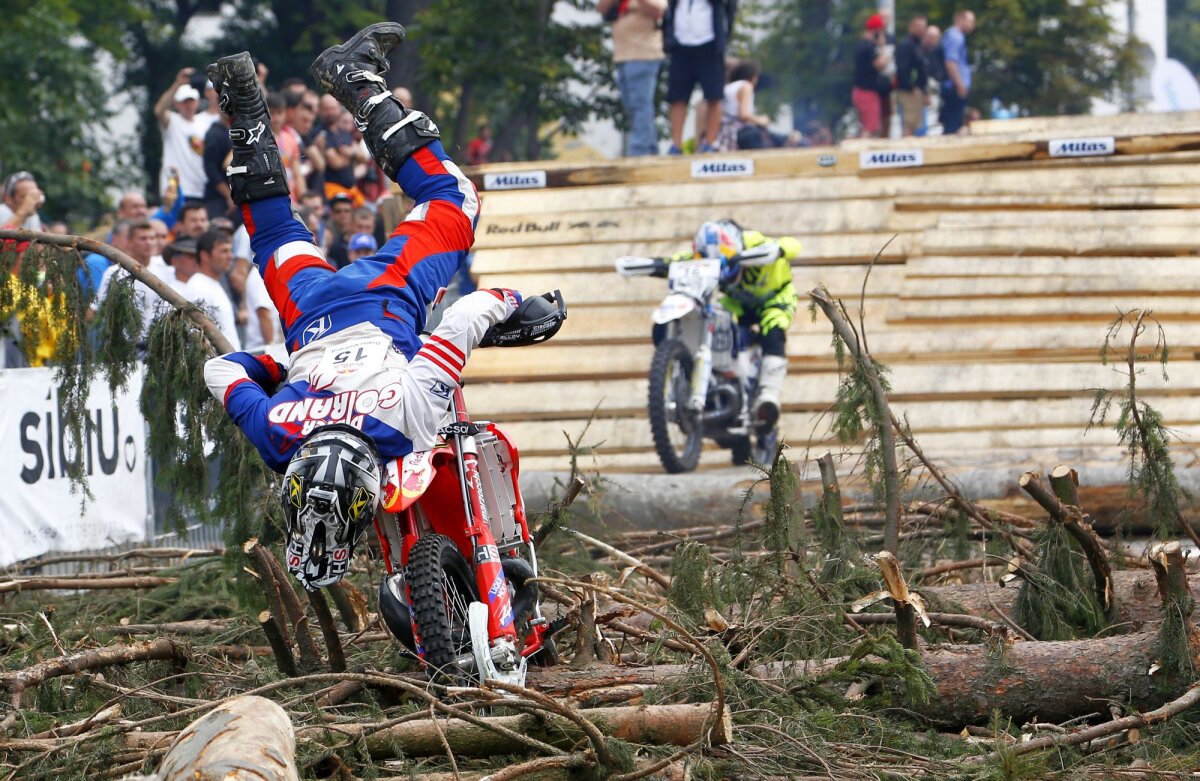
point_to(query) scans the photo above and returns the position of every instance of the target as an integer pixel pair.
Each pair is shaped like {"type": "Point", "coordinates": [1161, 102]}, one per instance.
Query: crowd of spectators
{"type": "Point", "coordinates": [692, 37]}
{"type": "Point", "coordinates": [193, 240]}
{"type": "Point", "coordinates": [923, 68]}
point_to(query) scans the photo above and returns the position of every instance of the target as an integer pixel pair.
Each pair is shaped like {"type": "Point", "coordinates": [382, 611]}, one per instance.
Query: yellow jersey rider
{"type": "Point", "coordinates": [758, 291]}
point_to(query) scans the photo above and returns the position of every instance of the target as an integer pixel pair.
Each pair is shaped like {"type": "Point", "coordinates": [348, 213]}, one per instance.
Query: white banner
{"type": "Point", "coordinates": [1083, 147]}
{"type": "Point", "coordinates": [891, 158]}
{"type": "Point", "coordinates": [38, 511]}
{"type": "Point", "coordinates": [741, 166]}
{"type": "Point", "coordinates": [515, 180]}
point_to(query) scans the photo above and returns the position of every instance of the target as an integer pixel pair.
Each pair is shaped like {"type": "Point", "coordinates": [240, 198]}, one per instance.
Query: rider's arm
{"type": "Point", "coordinates": [241, 382]}
{"type": "Point", "coordinates": [437, 367]}
{"type": "Point", "coordinates": [789, 247]}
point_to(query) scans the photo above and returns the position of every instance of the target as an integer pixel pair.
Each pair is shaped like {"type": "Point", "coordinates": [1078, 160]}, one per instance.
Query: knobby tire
{"type": "Point", "coordinates": [672, 352]}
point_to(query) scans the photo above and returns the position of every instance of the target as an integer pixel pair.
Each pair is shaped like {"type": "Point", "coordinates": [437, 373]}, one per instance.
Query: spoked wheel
{"type": "Point", "coordinates": [677, 431]}
{"type": "Point", "coordinates": [440, 588]}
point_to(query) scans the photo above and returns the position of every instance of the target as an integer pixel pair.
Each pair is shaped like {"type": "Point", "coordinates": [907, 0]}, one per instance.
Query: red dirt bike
{"type": "Point", "coordinates": [456, 543]}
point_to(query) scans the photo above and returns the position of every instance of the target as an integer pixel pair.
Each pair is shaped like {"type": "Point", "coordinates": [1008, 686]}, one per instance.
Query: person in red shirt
{"type": "Point", "coordinates": [480, 146]}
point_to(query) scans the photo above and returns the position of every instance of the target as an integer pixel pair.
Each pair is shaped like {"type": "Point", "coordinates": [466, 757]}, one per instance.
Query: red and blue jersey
{"type": "Point", "coordinates": [353, 334]}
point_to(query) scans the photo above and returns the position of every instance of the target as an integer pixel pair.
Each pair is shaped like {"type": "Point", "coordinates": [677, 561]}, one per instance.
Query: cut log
{"type": "Point", "coordinates": [273, 629]}
{"type": "Point", "coordinates": [247, 737]}
{"type": "Point", "coordinates": [1052, 681]}
{"type": "Point", "coordinates": [1135, 591]}
{"type": "Point", "coordinates": [351, 604]}
{"type": "Point", "coordinates": [200, 626]}
{"type": "Point", "coordinates": [665, 725]}
{"type": "Point", "coordinates": [17, 682]}
{"type": "Point", "coordinates": [82, 584]}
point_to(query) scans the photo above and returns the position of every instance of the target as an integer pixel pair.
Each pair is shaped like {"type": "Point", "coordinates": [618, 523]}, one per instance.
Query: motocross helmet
{"type": "Point", "coordinates": [718, 240]}
{"type": "Point", "coordinates": [330, 493]}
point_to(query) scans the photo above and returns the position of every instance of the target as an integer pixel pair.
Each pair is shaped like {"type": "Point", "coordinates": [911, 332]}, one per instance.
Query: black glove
{"type": "Point", "coordinates": [535, 320]}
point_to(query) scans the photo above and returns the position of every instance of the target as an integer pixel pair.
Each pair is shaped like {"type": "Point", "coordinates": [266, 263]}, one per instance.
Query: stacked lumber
{"type": "Point", "coordinates": [989, 304]}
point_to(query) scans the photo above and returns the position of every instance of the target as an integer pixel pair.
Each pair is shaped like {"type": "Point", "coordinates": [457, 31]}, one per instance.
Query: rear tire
{"type": "Point", "coordinates": [440, 588]}
{"type": "Point", "coordinates": [670, 387]}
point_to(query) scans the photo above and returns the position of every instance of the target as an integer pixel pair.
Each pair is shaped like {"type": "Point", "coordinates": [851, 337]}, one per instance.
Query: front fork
{"type": "Point", "coordinates": [702, 369]}
{"type": "Point", "coordinates": [489, 573]}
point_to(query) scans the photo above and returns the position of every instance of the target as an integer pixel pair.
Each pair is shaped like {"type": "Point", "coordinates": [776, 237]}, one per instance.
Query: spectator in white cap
{"type": "Point", "coordinates": [183, 131]}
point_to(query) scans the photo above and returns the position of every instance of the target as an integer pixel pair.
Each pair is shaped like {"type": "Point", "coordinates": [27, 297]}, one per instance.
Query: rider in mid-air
{"type": "Point", "coordinates": [361, 387]}
{"type": "Point", "coordinates": [758, 291]}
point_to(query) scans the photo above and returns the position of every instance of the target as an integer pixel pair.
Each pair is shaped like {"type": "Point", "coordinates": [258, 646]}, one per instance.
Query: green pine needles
{"type": "Point", "coordinates": [1140, 427]}
{"type": "Point", "coordinates": [1058, 600]}
{"type": "Point", "coordinates": [212, 470]}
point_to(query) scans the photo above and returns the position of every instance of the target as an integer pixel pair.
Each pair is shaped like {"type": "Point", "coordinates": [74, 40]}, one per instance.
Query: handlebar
{"type": "Point", "coordinates": [537, 319]}
{"type": "Point", "coordinates": [634, 266]}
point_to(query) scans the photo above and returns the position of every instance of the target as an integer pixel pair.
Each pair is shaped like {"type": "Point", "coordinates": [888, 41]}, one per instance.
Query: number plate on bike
{"type": "Point", "coordinates": [694, 277]}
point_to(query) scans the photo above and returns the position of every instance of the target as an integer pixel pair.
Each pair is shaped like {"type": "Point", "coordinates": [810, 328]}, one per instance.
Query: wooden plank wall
{"type": "Point", "coordinates": [989, 304]}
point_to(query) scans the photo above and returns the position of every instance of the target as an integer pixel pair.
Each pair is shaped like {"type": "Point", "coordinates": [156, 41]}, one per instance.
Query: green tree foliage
{"type": "Point", "coordinates": [518, 69]}
{"type": "Point", "coordinates": [51, 103]}
{"type": "Point", "coordinates": [1048, 56]}
{"type": "Point", "coordinates": [1183, 32]}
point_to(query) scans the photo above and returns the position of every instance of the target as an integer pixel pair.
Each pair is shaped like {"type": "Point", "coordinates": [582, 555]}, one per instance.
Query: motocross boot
{"type": "Point", "coordinates": [256, 170]}
{"type": "Point", "coordinates": [770, 388]}
{"type": "Point", "coordinates": [352, 73]}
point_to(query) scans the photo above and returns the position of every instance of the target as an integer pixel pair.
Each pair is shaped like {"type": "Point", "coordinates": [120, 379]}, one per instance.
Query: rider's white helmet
{"type": "Point", "coordinates": [330, 493]}
{"type": "Point", "coordinates": [720, 239]}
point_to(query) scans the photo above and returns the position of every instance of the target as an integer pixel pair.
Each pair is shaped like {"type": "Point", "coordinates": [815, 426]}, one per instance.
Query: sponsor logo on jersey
{"type": "Point", "coordinates": [440, 389]}
{"type": "Point", "coordinates": [346, 407]}
{"type": "Point", "coordinates": [1083, 147]}
{"type": "Point", "coordinates": [514, 180]}
{"type": "Point", "coordinates": [892, 158]}
{"type": "Point", "coordinates": [317, 328]}
{"type": "Point", "coordinates": [702, 169]}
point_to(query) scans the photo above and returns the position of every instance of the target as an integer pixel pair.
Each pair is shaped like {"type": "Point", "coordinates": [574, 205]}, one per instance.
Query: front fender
{"type": "Point", "coordinates": [674, 307]}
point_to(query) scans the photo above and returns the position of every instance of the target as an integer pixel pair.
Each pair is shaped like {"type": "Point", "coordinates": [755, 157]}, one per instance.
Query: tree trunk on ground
{"type": "Point", "coordinates": [17, 682]}
{"type": "Point", "coordinates": [1135, 592]}
{"type": "Point", "coordinates": [247, 737]}
{"type": "Point", "coordinates": [1053, 681]}
{"type": "Point", "coordinates": [666, 725]}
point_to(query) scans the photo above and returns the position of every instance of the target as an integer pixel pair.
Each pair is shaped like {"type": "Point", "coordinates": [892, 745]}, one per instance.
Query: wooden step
{"type": "Point", "coordinates": [679, 223]}
{"type": "Point", "coordinates": [1040, 310]}
{"type": "Point", "coordinates": [585, 289]}
{"type": "Point", "coordinates": [817, 249]}
{"type": "Point", "coordinates": [1044, 240]}
{"type": "Point", "coordinates": [936, 267]}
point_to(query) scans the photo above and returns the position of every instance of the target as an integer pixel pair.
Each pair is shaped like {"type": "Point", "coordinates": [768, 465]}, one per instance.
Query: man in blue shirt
{"type": "Point", "coordinates": [957, 84]}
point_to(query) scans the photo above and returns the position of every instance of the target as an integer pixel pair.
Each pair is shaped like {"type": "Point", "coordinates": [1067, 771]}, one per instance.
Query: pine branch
{"type": "Point", "coordinates": [135, 269]}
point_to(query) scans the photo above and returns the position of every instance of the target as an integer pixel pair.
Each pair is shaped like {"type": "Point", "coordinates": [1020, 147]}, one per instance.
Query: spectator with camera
{"type": "Point", "coordinates": [22, 199]}
{"type": "Point", "coordinates": [638, 55]}
{"type": "Point", "coordinates": [183, 132]}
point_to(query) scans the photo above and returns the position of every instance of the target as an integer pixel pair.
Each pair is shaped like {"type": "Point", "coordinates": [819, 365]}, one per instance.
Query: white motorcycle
{"type": "Point", "coordinates": [703, 377]}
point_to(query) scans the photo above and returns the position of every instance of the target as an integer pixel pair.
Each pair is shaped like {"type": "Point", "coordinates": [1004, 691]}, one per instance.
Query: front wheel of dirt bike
{"type": "Point", "coordinates": [441, 588]}
{"type": "Point", "coordinates": [678, 432]}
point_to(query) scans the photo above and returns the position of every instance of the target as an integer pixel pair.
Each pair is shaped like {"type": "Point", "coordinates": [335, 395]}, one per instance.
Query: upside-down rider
{"type": "Point", "coordinates": [758, 291]}
{"type": "Point", "coordinates": [361, 387]}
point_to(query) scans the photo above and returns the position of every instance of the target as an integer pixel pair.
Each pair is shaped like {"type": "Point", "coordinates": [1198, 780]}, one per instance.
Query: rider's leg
{"type": "Point", "coordinates": [282, 245]}
{"type": "Point", "coordinates": [771, 376]}
{"type": "Point", "coordinates": [430, 245]}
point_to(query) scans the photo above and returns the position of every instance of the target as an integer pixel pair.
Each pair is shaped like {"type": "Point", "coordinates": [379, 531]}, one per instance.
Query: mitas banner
{"type": "Point", "coordinates": [38, 511]}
